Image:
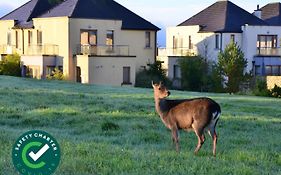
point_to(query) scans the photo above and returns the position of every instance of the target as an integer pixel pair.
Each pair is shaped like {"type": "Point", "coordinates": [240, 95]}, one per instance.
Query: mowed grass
{"type": "Point", "coordinates": [113, 130]}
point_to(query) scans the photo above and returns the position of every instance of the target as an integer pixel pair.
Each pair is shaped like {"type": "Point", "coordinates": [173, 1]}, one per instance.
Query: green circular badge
{"type": "Point", "coordinates": [36, 153]}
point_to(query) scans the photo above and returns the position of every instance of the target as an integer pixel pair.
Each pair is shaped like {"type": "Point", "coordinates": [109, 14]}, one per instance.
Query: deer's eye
{"type": "Point", "coordinates": [159, 89]}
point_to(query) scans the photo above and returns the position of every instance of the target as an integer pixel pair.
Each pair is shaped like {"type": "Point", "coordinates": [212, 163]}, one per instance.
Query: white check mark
{"type": "Point", "coordinates": [36, 156]}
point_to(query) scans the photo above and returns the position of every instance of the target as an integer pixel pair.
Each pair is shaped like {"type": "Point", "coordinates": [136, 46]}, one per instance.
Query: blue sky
{"type": "Point", "coordinates": [163, 13]}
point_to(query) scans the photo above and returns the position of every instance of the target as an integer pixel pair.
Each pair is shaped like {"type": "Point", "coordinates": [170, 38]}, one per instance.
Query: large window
{"type": "Point", "coordinates": [147, 40]}
{"type": "Point", "coordinates": [9, 38]}
{"type": "Point", "coordinates": [88, 37]}
{"type": "Point", "coordinates": [30, 37]}
{"type": "Point", "coordinates": [17, 39]}
{"type": "Point", "coordinates": [273, 70]}
{"type": "Point", "coordinates": [110, 38]}
{"type": "Point", "coordinates": [39, 37]}
{"type": "Point", "coordinates": [190, 45]}
{"type": "Point", "coordinates": [267, 41]}
{"type": "Point", "coordinates": [217, 40]}
{"type": "Point", "coordinates": [232, 38]}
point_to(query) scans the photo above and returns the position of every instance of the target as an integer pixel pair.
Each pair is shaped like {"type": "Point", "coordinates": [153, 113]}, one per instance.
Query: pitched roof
{"type": "Point", "coordinates": [100, 9]}
{"type": "Point", "coordinates": [271, 13]}
{"type": "Point", "coordinates": [24, 14]}
{"type": "Point", "coordinates": [223, 16]}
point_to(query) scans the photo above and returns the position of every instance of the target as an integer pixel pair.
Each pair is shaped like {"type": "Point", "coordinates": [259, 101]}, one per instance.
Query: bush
{"type": "Point", "coordinates": [153, 73]}
{"type": "Point", "coordinates": [276, 92]}
{"type": "Point", "coordinates": [56, 75]}
{"type": "Point", "coordinates": [11, 65]}
{"type": "Point", "coordinates": [260, 88]}
{"type": "Point", "coordinates": [200, 75]}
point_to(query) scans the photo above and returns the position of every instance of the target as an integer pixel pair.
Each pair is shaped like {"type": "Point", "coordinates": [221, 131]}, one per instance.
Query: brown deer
{"type": "Point", "coordinates": [196, 114]}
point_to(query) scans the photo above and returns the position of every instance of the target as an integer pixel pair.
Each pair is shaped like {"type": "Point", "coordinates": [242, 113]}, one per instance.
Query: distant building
{"type": "Point", "coordinates": [211, 30]}
{"type": "Point", "coordinates": [95, 41]}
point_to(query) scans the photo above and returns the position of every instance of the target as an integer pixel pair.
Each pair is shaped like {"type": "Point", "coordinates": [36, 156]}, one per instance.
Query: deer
{"type": "Point", "coordinates": [197, 114]}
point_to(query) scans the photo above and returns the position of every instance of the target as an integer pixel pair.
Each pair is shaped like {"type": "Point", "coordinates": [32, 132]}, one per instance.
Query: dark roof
{"type": "Point", "coordinates": [271, 13]}
{"type": "Point", "coordinates": [100, 9]}
{"type": "Point", "coordinates": [223, 16]}
{"type": "Point", "coordinates": [24, 14]}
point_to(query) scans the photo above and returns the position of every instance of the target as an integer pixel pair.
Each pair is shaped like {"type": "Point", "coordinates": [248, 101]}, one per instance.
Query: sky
{"type": "Point", "coordinates": [162, 13]}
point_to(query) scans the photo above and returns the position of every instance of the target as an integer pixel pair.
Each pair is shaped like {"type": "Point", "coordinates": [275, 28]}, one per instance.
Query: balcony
{"type": "Point", "coordinates": [7, 49]}
{"type": "Point", "coordinates": [175, 52]}
{"type": "Point", "coordinates": [268, 51]}
{"type": "Point", "coordinates": [103, 50]}
{"type": "Point", "coordinates": [46, 49]}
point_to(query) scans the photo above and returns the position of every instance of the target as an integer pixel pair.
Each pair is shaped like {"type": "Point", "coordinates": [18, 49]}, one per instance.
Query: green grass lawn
{"type": "Point", "coordinates": [112, 130]}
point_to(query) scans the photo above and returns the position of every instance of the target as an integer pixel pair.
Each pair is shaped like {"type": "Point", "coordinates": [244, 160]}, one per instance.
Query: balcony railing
{"type": "Point", "coordinates": [175, 52]}
{"type": "Point", "coordinates": [6, 49]}
{"type": "Point", "coordinates": [46, 49]}
{"type": "Point", "coordinates": [269, 51]}
{"type": "Point", "coordinates": [101, 50]}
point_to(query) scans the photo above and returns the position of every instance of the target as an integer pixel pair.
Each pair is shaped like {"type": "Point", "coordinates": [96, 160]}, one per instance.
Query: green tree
{"type": "Point", "coordinates": [231, 63]}
{"type": "Point", "coordinates": [194, 72]}
{"type": "Point", "coordinates": [155, 73]}
{"type": "Point", "coordinates": [11, 65]}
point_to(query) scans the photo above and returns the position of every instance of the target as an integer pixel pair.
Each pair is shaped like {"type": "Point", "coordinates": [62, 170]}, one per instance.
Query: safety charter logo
{"type": "Point", "coordinates": [36, 153]}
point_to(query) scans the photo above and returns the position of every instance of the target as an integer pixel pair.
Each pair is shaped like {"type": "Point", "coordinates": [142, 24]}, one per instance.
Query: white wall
{"type": "Point", "coordinates": [249, 43]}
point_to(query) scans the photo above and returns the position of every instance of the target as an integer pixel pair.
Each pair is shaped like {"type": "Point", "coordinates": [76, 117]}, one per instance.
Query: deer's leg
{"type": "Point", "coordinates": [214, 136]}
{"type": "Point", "coordinates": [175, 138]}
{"type": "Point", "coordinates": [201, 138]}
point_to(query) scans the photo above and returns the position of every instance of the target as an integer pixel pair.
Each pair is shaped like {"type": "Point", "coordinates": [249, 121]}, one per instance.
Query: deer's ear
{"type": "Point", "coordinates": [152, 84]}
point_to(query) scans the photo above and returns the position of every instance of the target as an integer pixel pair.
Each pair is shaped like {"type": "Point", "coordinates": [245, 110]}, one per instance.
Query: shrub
{"type": "Point", "coordinates": [56, 75]}
{"type": "Point", "coordinates": [108, 126]}
{"type": "Point", "coordinates": [155, 73]}
{"type": "Point", "coordinates": [260, 88]}
{"type": "Point", "coordinates": [198, 74]}
{"type": "Point", "coordinates": [11, 65]}
{"type": "Point", "coordinates": [276, 91]}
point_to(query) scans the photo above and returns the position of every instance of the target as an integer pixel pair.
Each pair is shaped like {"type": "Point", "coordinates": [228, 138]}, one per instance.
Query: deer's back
{"type": "Point", "coordinates": [185, 112]}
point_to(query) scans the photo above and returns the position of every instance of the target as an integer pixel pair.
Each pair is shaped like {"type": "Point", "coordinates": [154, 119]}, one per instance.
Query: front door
{"type": "Point", "coordinates": [78, 74]}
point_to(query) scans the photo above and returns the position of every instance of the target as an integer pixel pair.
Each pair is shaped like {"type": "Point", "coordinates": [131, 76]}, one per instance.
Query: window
{"type": "Point", "coordinates": [190, 46]}
{"type": "Point", "coordinates": [110, 38]}
{"type": "Point", "coordinates": [9, 38]}
{"type": "Point", "coordinates": [217, 44]}
{"type": "Point", "coordinates": [275, 70]}
{"type": "Point", "coordinates": [175, 42]}
{"type": "Point", "coordinates": [232, 38]}
{"type": "Point", "coordinates": [17, 39]}
{"type": "Point", "coordinates": [126, 75]}
{"type": "Point", "coordinates": [267, 41]}
{"type": "Point", "coordinates": [39, 37]}
{"type": "Point", "coordinates": [258, 70]}
{"type": "Point", "coordinates": [30, 37]}
{"type": "Point", "coordinates": [147, 40]}
{"type": "Point", "coordinates": [88, 37]}
{"type": "Point", "coordinates": [268, 70]}
{"type": "Point", "coordinates": [49, 70]}
{"type": "Point", "coordinates": [177, 72]}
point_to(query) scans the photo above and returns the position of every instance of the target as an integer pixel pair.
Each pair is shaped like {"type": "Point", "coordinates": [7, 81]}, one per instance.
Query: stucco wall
{"type": "Point", "coordinates": [203, 42]}
{"type": "Point", "coordinates": [56, 31]}
{"type": "Point", "coordinates": [135, 39]}
{"type": "Point", "coordinates": [105, 70]}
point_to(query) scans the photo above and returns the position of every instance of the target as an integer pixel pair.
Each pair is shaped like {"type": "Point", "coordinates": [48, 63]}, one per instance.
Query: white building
{"type": "Point", "coordinates": [211, 30]}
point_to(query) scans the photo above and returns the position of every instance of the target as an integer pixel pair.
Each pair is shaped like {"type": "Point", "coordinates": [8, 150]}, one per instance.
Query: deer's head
{"type": "Point", "coordinates": [160, 91]}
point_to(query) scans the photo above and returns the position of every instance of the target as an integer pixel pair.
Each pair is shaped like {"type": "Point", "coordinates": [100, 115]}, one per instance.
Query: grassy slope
{"type": "Point", "coordinates": [249, 130]}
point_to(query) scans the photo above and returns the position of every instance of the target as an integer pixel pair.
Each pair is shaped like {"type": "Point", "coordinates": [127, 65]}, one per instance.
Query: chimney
{"type": "Point", "coordinates": [257, 12]}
